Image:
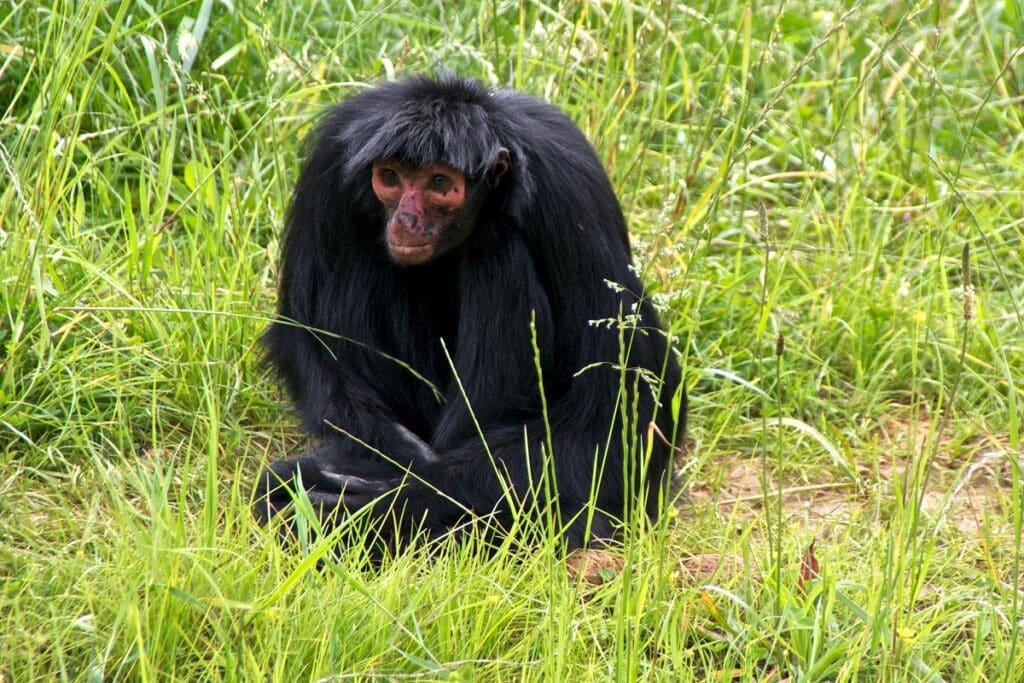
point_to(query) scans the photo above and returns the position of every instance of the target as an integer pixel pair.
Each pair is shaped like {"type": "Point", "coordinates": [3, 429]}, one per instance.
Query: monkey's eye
{"type": "Point", "coordinates": [440, 183]}
{"type": "Point", "coordinates": [388, 177]}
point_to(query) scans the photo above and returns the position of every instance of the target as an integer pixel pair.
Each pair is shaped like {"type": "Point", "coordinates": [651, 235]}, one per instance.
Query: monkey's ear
{"type": "Point", "coordinates": [499, 166]}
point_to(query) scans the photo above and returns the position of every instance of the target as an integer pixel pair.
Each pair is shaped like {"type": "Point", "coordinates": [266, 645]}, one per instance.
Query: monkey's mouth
{"type": "Point", "coordinates": [410, 254]}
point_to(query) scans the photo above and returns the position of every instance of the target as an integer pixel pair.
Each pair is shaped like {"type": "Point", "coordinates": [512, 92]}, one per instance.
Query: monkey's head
{"type": "Point", "coordinates": [430, 209]}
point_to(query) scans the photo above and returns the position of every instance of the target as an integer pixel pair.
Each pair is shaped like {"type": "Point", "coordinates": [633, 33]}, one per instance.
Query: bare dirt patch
{"type": "Point", "coordinates": [967, 481]}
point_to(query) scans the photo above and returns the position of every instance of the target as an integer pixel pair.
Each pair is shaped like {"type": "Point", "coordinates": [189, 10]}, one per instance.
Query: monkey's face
{"type": "Point", "coordinates": [428, 212]}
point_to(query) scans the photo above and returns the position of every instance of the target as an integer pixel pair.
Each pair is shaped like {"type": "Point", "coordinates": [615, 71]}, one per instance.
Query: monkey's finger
{"type": "Point", "coordinates": [351, 484]}
{"type": "Point", "coordinates": [421, 452]}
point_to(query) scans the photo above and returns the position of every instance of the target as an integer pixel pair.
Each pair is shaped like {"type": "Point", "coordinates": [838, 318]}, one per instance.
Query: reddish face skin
{"type": "Point", "coordinates": [423, 207]}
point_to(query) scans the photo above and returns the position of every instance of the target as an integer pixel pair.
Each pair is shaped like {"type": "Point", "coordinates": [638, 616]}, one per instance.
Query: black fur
{"type": "Point", "coordinates": [359, 340]}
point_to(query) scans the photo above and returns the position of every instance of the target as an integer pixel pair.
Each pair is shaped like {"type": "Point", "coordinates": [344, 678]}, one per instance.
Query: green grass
{"type": "Point", "coordinates": [147, 151]}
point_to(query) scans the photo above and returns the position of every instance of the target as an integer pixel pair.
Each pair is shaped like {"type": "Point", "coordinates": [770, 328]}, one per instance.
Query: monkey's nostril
{"type": "Point", "coordinates": [406, 219]}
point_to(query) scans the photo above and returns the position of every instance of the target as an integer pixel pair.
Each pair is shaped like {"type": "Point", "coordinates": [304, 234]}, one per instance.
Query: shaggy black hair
{"type": "Point", "coordinates": [521, 308]}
